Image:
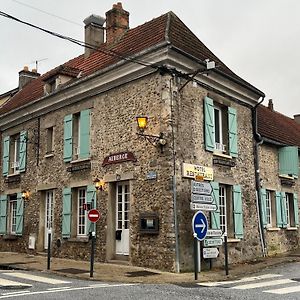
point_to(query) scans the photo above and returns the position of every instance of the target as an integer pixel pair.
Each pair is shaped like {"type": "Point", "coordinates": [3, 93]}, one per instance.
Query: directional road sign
{"type": "Point", "coordinates": [201, 198]}
{"type": "Point", "coordinates": [210, 252]}
{"type": "Point", "coordinates": [214, 232]}
{"type": "Point", "coordinates": [203, 206]}
{"type": "Point", "coordinates": [200, 225]}
{"type": "Point", "coordinates": [212, 242]}
{"type": "Point", "coordinates": [203, 188]}
{"type": "Point", "coordinates": [94, 215]}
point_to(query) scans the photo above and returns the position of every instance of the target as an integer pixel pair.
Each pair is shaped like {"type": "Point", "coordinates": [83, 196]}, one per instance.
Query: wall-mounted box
{"type": "Point", "coordinates": [149, 223]}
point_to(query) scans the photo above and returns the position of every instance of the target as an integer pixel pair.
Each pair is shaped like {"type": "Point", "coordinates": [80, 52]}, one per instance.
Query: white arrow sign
{"type": "Point", "coordinates": [203, 188]}
{"type": "Point", "coordinates": [203, 226]}
{"type": "Point", "coordinates": [210, 252]}
{"type": "Point", "coordinates": [202, 198]}
{"type": "Point", "coordinates": [214, 232]}
{"type": "Point", "coordinates": [203, 206]}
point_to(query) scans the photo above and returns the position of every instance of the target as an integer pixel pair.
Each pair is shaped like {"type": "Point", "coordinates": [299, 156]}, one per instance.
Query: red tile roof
{"type": "Point", "coordinates": [277, 127]}
{"type": "Point", "coordinates": [166, 28]}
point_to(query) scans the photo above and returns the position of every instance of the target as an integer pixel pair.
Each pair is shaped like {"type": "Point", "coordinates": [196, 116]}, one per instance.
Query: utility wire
{"type": "Point", "coordinates": [80, 43]}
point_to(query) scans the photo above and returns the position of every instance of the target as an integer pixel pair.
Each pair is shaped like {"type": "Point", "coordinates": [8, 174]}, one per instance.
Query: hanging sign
{"type": "Point", "coordinates": [191, 171]}
{"type": "Point", "coordinates": [118, 158]}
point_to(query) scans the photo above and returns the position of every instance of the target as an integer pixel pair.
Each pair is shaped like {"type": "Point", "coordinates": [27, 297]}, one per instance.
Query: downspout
{"type": "Point", "coordinates": [257, 142]}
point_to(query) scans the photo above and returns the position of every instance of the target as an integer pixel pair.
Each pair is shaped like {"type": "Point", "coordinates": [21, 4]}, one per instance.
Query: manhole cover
{"type": "Point", "coordinates": [72, 271]}
{"type": "Point", "coordinates": [140, 274]}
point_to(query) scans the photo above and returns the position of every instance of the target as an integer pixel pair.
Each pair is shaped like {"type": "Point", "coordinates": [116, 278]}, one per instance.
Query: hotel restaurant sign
{"type": "Point", "coordinates": [191, 171]}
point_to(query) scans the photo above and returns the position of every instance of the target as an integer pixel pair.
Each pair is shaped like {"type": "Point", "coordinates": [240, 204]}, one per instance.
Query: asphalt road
{"type": "Point", "coordinates": [282, 282]}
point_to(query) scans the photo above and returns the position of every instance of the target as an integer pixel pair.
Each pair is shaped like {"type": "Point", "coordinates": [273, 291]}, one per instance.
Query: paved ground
{"type": "Point", "coordinates": [125, 273]}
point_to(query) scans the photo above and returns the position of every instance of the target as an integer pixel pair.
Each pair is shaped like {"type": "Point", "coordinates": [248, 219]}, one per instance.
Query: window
{"type": "Point", "coordinates": [290, 210]}
{"type": "Point", "coordinates": [77, 136]}
{"type": "Point", "coordinates": [14, 153]}
{"type": "Point", "coordinates": [288, 161]}
{"type": "Point", "coordinates": [220, 128]}
{"type": "Point", "coordinates": [229, 214]}
{"type": "Point", "coordinates": [50, 138]}
{"type": "Point", "coordinates": [268, 208]}
{"type": "Point", "coordinates": [75, 222]}
{"type": "Point", "coordinates": [11, 214]}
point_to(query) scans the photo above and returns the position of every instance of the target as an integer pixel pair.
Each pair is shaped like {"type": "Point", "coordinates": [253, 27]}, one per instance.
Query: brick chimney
{"type": "Point", "coordinates": [117, 23]}
{"type": "Point", "coordinates": [270, 105]}
{"type": "Point", "coordinates": [25, 76]}
{"type": "Point", "coordinates": [93, 33]}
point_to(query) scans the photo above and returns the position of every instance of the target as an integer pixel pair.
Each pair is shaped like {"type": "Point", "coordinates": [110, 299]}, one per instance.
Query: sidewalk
{"type": "Point", "coordinates": [128, 274]}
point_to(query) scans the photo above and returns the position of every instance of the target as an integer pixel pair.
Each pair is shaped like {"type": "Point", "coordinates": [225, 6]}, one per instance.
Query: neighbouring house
{"type": "Point", "coordinates": [279, 144]}
{"type": "Point", "coordinates": [71, 143]}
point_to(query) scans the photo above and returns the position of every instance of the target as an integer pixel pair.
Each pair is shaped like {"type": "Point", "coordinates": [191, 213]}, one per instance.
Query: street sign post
{"type": "Point", "coordinates": [213, 242]}
{"type": "Point", "coordinates": [214, 232]}
{"type": "Point", "coordinates": [201, 198]}
{"type": "Point", "coordinates": [94, 215]}
{"type": "Point", "coordinates": [200, 225]}
{"type": "Point", "coordinates": [210, 252]}
{"type": "Point", "coordinates": [203, 206]}
{"type": "Point", "coordinates": [201, 188]}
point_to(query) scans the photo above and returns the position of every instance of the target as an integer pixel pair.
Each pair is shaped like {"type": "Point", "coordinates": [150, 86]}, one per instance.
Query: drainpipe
{"type": "Point", "coordinates": [257, 142]}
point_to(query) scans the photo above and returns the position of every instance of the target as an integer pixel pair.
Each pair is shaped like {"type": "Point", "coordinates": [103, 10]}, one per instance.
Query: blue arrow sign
{"type": "Point", "coordinates": [200, 225]}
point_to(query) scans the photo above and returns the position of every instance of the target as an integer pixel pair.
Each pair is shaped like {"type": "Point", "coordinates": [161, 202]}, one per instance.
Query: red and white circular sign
{"type": "Point", "coordinates": [94, 215]}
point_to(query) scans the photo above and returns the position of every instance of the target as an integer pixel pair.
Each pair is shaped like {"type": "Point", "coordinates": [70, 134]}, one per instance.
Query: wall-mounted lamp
{"type": "Point", "coordinates": [99, 184]}
{"type": "Point", "coordinates": [25, 195]}
{"type": "Point", "coordinates": [155, 140]}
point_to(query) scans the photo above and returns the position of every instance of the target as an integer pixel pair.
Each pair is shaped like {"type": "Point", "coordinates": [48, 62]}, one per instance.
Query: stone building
{"type": "Point", "coordinates": [279, 142]}
{"type": "Point", "coordinates": [77, 123]}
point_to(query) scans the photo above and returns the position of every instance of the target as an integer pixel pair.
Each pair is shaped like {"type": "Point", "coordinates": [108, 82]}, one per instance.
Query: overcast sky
{"type": "Point", "coordinates": [257, 39]}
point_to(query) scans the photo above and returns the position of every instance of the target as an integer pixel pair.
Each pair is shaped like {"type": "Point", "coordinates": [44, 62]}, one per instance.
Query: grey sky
{"type": "Point", "coordinates": [258, 39]}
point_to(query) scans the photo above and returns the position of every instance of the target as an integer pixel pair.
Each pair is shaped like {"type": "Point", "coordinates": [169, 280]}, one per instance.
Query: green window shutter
{"type": "Point", "coordinates": [3, 212]}
{"type": "Point", "coordinates": [19, 214]}
{"type": "Point", "coordinates": [279, 221]}
{"type": "Point", "coordinates": [238, 212]}
{"type": "Point", "coordinates": [84, 131]}
{"type": "Point", "coordinates": [283, 209]}
{"type": "Point", "coordinates": [68, 139]}
{"type": "Point", "coordinates": [288, 161]}
{"type": "Point", "coordinates": [209, 119]}
{"type": "Point", "coordinates": [232, 131]}
{"type": "Point", "coordinates": [296, 209]}
{"type": "Point", "coordinates": [92, 200]}
{"type": "Point", "coordinates": [67, 213]}
{"type": "Point", "coordinates": [215, 216]}
{"type": "Point", "coordinates": [22, 151]}
{"type": "Point", "coordinates": [5, 166]}
{"type": "Point", "coordinates": [263, 199]}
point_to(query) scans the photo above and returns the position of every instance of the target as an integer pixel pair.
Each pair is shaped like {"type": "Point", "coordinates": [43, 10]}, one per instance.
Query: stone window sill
{"type": "Point", "coordinates": [48, 155]}
{"type": "Point", "coordinates": [292, 228]}
{"type": "Point", "coordinates": [220, 154]}
{"type": "Point", "coordinates": [273, 229]}
{"type": "Point", "coordinates": [81, 239]}
{"type": "Point", "coordinates": [14, 174]}
{"type": "Point", "coordinates": [232, 240]}
{"type": "Point", "coordinates": [80, 160]}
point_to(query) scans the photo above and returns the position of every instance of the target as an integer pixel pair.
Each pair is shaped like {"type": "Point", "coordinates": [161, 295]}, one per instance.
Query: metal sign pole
{"type": "Point", "coordinates": [226, 253]}
{"type": "Point", "coordinates": [195, 256]}
{"type": "Point", "coordinates": [92, 254]}
{"type": "Point", "coordinates": [49, 249]}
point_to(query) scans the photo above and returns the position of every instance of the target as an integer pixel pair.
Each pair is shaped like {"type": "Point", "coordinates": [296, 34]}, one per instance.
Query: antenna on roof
{"type": "Point", "coordinates": [37, 62]}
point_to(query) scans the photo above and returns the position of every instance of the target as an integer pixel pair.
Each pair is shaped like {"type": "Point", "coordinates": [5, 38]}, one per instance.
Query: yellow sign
{"type": "Point", "coordinates": [196, 171]}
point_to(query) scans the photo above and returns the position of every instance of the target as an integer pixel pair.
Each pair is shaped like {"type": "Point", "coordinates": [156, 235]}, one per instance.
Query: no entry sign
{"type": "Point", "coordinates": [94, 215]}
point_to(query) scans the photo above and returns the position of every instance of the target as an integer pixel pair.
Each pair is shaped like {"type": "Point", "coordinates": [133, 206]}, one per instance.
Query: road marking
{"type": "Point", "coordinates": [262, 284]}
{"type": "Point", "coordinates": [14, 293]}
{"type": "Point", "coordinates": [36, 278]}
{"type": "Point", "coordinates": [245, 279]}
{"type": "Point", "coordinates": [68, 290]}
{"type": "Point", "coordinates": [59, 288]}
{"type": "Point", "coordinates": [10, 283]}
{"type": "Point", "coordinates": [287, 290]}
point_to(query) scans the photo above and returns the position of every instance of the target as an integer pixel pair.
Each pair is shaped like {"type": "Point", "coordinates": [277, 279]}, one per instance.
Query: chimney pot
{"type": "Point", "coordinates": [25, 68]}
{"type": "Point", "coordinates": [25, 76]}
{"type": "Point", "coordinates": [117, 23]}
{"type": "Point", "coordinates": [271, 105]}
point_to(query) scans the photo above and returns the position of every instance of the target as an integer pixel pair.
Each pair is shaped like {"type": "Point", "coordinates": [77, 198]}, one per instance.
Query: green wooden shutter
{"type": "Point", "coordinates": [22, 151]}
{"type": "Point", "coordinates": [283, 209]}
{"type": "Point", "coordinates": [232, 131]}
{"type": "Point", "coordinates": [3, 213]}
{"type": "Point", "coordinates": [19, 214]}
{"type": "Point", "coordinates": [68, 139]}
{"type": "Point", "coordinates": [288, 161]}
{"type": "Point", "coordinates": [296, 209]}
{"type": "Point", "coordinates": [5, 166]}
{"type": "Point", "coordinates": [263, 199]}
{"type": "Point", "coordinates": [92, 200]}
{"type": "Point", "coordinates": [215, 216]}
{"type": "Point", "coordinates": [238, 212]}
{"type": "Point", "coordinates": [209, 119]}
{"type": "Point", "coordinates": [84, 131]}
{"type": "Point", "coordinates": [67, 213]}
{"type": "Point", "coordinates": [279, 221]}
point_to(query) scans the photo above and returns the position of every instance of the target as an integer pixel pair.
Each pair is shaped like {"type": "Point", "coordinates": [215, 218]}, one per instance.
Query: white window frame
{"type": "Point", "coordinates": [14, 157]}
{"type": "Point", "coordinates": [269, 208]}
{"type": "Point", "coordinates": [288, 199]}
{"type": "Point", "coordinates": [12, 215]}
{"type": "Point", "coordinates": [76, 133]}
{"type": "Point", "coordinates": [223, 208]}
{"type": "Point", "coordinates": [219, 146]}
{"type": "Point", "coordinates": [81, 212]}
